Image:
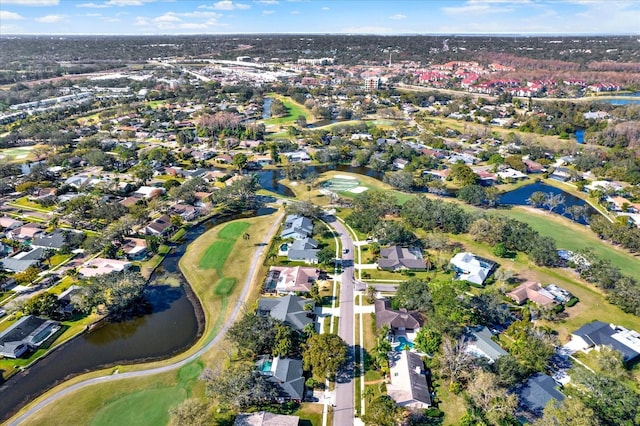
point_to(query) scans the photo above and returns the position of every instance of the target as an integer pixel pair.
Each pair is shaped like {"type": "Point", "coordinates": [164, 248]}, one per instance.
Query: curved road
{"type": "Point", "coordinates": [141, 373]}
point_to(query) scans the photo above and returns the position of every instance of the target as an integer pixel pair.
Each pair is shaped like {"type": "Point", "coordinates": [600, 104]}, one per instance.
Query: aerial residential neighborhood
{"type": "Point", "coordinates": [356, 226]}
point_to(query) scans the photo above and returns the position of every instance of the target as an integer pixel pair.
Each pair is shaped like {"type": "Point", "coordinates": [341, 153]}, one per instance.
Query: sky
{"type": "Point", "coordinates": [320, 16]}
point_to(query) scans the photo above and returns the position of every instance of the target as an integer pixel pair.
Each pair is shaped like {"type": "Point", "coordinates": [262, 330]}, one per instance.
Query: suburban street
{"type": "Point", "coordinates": [344, 410]}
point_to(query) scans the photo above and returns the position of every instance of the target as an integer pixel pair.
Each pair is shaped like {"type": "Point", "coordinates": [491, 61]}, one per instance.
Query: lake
{"type": "Point", "coordinates": [519, 197]}
{"type": "Point", "coordinates": [621, 101]}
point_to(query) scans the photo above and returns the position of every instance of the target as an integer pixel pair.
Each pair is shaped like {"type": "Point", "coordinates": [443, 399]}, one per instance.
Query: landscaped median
{"type": "Point", "coordinates": [216, 265]}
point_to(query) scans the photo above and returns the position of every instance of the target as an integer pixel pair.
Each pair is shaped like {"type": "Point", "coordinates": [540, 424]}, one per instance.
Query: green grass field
{"type": "Point", "coordinates": [294, 110]}
{"type": "Point", "coordinates": [18, 153]}
{"type": "Point", "coordinates": [571, 236]}
{"type": "Point", "coordinates": [147, 407]}
{"type": "Point", "coordinates": [233, 231]}
{"type": "Point", "coordinates": [216, 255]}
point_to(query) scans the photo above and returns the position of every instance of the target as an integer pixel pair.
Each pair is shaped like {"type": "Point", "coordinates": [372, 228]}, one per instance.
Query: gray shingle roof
{"type": "Point", "coordinates": [395, 319]}
{"type": "Point", "coordinates": [288, 376]}
{"type": "Point", "coordinates": [538, 391]}
{"type": "Point", "coordinates": [418, 378]}
{"type": "Point", "coordinates": [480, 337]}
{"type": "Point", "coordinates": [600, 334]}
{"type": "Point", "coordinates": [289, 309]}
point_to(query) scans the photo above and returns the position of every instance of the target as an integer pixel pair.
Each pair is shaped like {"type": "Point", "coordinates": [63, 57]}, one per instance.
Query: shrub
{"type": "Point", "coordinates": [572, 302]}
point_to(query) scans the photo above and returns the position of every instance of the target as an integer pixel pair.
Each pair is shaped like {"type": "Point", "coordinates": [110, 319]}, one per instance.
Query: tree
{"type": "Point", "coordinates": [428, 340]}
{"type": "Point", "coordinates": [371, 293]}
{"type": "Point", "coordinates": [326, 256]}
{"type": "Point", "coordinates": [324, 355]}
{"type": "Point", "coordinates": [143, 172]}
{"type": "Point", "coordinates": [454, 360]}
{"type": "Point", "coordinates": [239, 161]}
{"type": "Point", "coordinates": [569, 412]}
{"type": "Point", "coordinates": [414, 294]}
{"type": "Point", "coordinates": [537, 198]}
{"type": "Point", "coordinates": [239, 386]}
{"type": "Point", "coordinates": [401, 180]}
{"type": "Point", "coordinates": [552, 201]}
{"type": "Point", "coordinates": [27, 276]}
{"type": "Point", "coordinates": [472, 194]}
{"type": "Point", "coordinates": [246, 236]}
{"type": "Point", "coordinates": [191, 412]}
{"type": "Point", "coordinates": [284, 338]}
{"type": "Point", "coordinates": [496, 404]}
{"type": "Point", "coordinates": [256, 333]}
{"type": "Point", "coordinates": [44, 304]}
{"type": "Point", "coordinates": [500, 250]}
{"type": "Point", "coordinates": [543, 251]}
{"type": "Point", "coordinates": [462, 174]}
{"type": "Point", "coordinates": [382, 411]}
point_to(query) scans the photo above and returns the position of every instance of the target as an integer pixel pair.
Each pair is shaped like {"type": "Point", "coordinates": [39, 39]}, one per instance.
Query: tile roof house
{"type": "Point", "coordinates": [409, 385]}
{"type": "Point", "coordinates": [305, 250]}
{"type": "Point", "coordinates": [7, 222]}
{"type": "Point", "coordinates": [291, 280]}
{"type": "Point", "coordinates": [598, 333]}
{"type": "Point", "coordinates": [28, 332]}
{"type": "Point", "coordinates": [472, 268]}
{"type": "Point", "coordinates": [531, 290]}
{"type": "Point", "coordinates": [481, 344]}
{"type": "Point", "coordinates": [134, 248]}
{"type": "Point", "coordinates": [396, 320]}
{"type": "Point", "coordinates": [537, 392]}
{"type": "Point", "coordinates": [26, 232]}
{"type": "Point", "coordinates": [297, 227]}
{"type": "Point", "coordinates": [396, 258]}
{"type": "Point", "coordinates": [289, 309]}
{"type": "Point", "coordinates": [264, 418]}
{"type": "Point", "coordinates": [101, 266]}
{"type": "Point", "coordinates": [286, 373]}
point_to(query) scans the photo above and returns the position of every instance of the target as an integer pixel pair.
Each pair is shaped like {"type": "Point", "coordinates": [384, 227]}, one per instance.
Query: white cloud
{"type": "Point", "coordinates": [9, 16]}
{"type": "Point", "coordinates": [268, 12]}
{"type": "Point", "coordinates": [50, 19]}
{"type": "Point", "coordinates": [167, 17]}
{"type": "Point", "coordinates": [92, 15]}
{"type": "Point", "coordinates": [32, 2]}
{"type": "Point", "coordinates": [229, 5]}
{"type": "Point", "coordinates": [295, 12]}
{"type": "Point", "coordinates": [475, 7]}
{"type": "Point", "coordinates": [325, 8]}
{"type": "Point", "coordinates": [122, 3]}
{"type": "Point", "coordinates": [93, 5]}
{"type": "Point", "coordinates": [268, 1]}
{"type": "Point", "coordinates": [398, 17]}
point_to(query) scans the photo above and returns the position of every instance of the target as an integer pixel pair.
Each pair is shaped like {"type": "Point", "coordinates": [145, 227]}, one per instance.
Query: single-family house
{"type": "Point", "coordinates": [102, 266]}
{"type": "Point", "coordinates": [559, 294]}
{"type": "Point", "coordinates": [148, 192]}
{"type": "Point", "coordinates": [305, 250]}
{"type": "Point", "coordinates": [397, 258]}
{"type": "Point", "coordinates": [185, 211]}
{"type": "Point", "coordinates": [597, 334]}
{"type": "Point", "coordinates": [134, 248]}
{"type": "Point", "coordinates": [396, 320]}
{"type": "Point", "coordinates": [289, 309]}
{"type": "Point", "coordinates": [293, 279]}
{"type": "Point", "coordinates": [536, 393]}
{"type": "Point", "coordinates": [400, 163]}
{"type": "Point", "coordinates": [263, 418]}
{"type": "Point", "coordinates": [297, 227]}
{"type": "Point", "coordinates": [66, 304]}
{"type": "Point", "coordinates": [23, 260]}
{"type": "Point", "coordinates": [297, 157]}
{"type": "Point", "coordinates": [481, 344]}
{"type": "Point", "coordinates": [158, 226]}
{"type": "Point", "coordinates": [54, 241]}
{"type": "Point", "coordinates": [472, 268]}
{"type": "Point", "coordinates": [510, 173]}
{"type": "Point", "coordinates": [531, 290]}
{"type": "Point", "coordinates": [25, 232]}
{"type": "Point", "coordinates": [409, 385]}
{"type": "Point", "coordinates": [28, 332]}
{"type": "Point", "coordinates": [9, 223]}
{"type": "Point", "coordinates": [286, 374]}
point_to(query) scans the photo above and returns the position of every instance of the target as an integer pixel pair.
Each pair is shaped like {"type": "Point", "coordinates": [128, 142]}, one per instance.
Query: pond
{"type": "Point", "coordinates": [168, 322]}
{"type": "Point", "coordinates": [620, 99]}
{"type": "Point", "coordinates": [266, 108]}
{"type": "Point", "coordinates": [519, 197]}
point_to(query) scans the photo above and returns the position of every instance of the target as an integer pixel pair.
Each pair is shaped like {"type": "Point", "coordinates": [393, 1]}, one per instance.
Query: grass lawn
{"type": "Point", "coordinates": [294, 110]}
{"type": "Point", "coordinates": [119, 402]}
{"type": "Point", "coordinates": [27, 204]}
{"type": "Point", "coordinates": [216, 255]}
{"type": "Point", "coordinates": [573, 236]}
{"type": "Point", "coordinates": [16, 154]}
{"type": "Point", "coordinates": [310, 414]}
{"type": "Point", "coordinates": [451, 404]}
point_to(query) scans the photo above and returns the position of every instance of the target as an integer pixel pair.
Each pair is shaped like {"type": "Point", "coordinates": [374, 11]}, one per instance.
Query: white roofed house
{"type": "Point", "coordinates": [102, 266]}
{"type": "Point", "coordinates": [297, 227]}
{"type": "Point", "coordinates": [472, 268]}
{"type": "Point", "coordinates": [409, 385]}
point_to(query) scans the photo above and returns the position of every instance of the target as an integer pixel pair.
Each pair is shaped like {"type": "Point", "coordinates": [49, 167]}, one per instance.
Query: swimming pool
{"type": "Point", "coordinates": [284, 247]}
{"type": "Point", "coordinates": [404, 343]}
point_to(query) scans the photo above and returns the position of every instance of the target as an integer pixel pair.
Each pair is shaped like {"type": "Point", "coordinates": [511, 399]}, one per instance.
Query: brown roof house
{"type": "Point", "coordinates": [159, 226]}
{"type": "Point", "coordinates": [264, 418]}
{"type": "Point", "coordinates": [396, 258]}
{"type": "Point", "coordinates": [401, 320]}
{"type": "Point", "coordinates": [293, 279]}
{"type": "Point", "coordinates": [409, 385]}
{"type": "Point", "coordinates": [533, 291]}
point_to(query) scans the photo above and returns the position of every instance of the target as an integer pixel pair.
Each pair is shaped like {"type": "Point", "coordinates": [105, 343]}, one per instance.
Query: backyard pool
{"type": "Point", "coordinates": [404, 343]}
{"type": "Point", "coordinates": [284, 247]}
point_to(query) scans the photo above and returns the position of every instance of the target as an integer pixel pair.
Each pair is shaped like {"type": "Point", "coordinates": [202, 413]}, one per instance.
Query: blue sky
{"type": "Point", "coordinates": [319, 16]}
